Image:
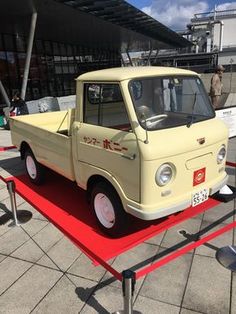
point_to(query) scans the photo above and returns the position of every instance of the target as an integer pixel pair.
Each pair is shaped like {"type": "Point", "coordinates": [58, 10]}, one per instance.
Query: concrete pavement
{"type": "Point", "coordinates": [41, 271]}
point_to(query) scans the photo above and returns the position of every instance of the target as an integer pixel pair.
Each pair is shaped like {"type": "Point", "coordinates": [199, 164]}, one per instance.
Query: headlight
{"type": "Point", "coordinates": [221, 155]}
{"type": "Point", "coordinates": [164, 174]}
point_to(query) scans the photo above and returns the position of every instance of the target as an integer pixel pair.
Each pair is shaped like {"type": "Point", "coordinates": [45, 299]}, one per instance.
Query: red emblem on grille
{"type": "Point", "coordinates": [199, 176]}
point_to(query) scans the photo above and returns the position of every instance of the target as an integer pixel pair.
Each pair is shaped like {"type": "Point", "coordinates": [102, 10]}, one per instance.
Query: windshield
{"type": "Point", "coordinates": [166, 102]}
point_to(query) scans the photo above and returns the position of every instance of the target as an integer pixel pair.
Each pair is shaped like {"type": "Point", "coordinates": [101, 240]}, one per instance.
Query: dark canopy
{"type": "Point", "coordinates": [107, 24]}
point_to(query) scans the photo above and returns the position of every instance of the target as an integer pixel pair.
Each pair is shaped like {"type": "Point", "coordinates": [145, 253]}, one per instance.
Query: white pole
{"type": "Point", "coordinates": [221, 35]}
{"type": "Point", "coordinates": [28, 55]}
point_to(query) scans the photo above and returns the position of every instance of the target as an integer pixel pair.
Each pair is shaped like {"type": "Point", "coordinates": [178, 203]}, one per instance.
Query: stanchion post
{"type": "Point", "coordinates": [128, 284]}
{"type": "Point", "coordinates": [21, 216]}
{"type": "Point", "coordinates": [11, 186]}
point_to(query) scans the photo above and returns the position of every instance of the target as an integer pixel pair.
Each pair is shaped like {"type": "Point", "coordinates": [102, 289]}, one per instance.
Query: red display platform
{"type": "Point", "coordinates": [64, 204]}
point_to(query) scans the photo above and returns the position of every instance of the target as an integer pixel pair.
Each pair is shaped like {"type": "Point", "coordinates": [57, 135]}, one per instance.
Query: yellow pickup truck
{"type": "Point", "coordinates": [142, 141]}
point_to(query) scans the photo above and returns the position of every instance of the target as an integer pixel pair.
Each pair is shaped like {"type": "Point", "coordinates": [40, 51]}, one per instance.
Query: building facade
{"type": "Point", "coordinates": [53, 68]}
{"type": "Point", "coordinates": [70, 38]}
{"type": "Point", "coordinates": [213, 42]}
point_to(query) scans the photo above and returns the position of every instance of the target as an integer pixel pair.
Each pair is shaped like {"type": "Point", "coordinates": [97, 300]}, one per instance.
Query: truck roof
{"type": "Point", "coordinates": [125, 73]}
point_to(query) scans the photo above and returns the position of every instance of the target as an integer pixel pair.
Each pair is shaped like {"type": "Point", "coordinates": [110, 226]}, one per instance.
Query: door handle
{"type": "Point", "coordinates": [132, 157]}
{"type": "Point", "coordinates": [75, 129]}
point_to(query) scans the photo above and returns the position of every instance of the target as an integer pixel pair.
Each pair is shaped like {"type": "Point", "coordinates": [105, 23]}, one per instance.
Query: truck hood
{"type": "Point", "coordinates": [180, 140]}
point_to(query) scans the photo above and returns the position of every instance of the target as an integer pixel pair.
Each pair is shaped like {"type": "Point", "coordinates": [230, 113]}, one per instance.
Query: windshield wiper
{"type": "Point", "coordinates": [193, 107]}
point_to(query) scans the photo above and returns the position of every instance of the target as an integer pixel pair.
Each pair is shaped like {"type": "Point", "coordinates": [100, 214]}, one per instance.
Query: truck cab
{"type": "Point", "coordinates": [152, 134]}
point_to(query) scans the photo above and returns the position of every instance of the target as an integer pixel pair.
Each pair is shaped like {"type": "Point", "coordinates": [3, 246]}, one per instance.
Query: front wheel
{"type": "Point", "coordinates": [34, 170]}
{"type": "Point", "coordinates": [108, 209]}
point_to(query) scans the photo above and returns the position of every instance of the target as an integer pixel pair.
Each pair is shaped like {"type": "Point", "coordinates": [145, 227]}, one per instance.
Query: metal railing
{"type": "Point", "coordinates": [214, 14]}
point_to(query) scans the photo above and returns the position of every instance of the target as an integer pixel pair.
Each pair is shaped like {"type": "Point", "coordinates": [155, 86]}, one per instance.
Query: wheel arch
{"type": "Point", "coordinates": [95, 179]}
{"type": "Point", "coordinates": [23, 148]}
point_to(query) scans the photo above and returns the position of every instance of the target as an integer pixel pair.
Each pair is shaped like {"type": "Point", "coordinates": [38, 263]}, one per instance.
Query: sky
{"type": "Point", "coordinates": [177, 14]}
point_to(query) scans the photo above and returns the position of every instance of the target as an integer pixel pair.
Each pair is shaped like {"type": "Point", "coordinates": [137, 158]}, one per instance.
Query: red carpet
{"type": "Point", "coordinates": [3, 149]}
{"type": "Point", "coordinates": [64, 204]}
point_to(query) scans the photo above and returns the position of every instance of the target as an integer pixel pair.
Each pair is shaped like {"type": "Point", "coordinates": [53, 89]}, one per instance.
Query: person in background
{"type": "Point", "coordinates": [19, 104]}
{"type": "Point", "coordinates": [216, 86]}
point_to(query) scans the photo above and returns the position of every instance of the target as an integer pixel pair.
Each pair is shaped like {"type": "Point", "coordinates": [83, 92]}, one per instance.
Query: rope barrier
{"type": "Point", "coordinates": [232, 164]}
{"type": "Point", "coordinates": [184, 250]}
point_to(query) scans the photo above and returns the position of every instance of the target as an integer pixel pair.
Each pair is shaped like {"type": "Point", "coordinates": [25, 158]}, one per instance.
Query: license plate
{"type": "Point", "coordinates": [200, 197]}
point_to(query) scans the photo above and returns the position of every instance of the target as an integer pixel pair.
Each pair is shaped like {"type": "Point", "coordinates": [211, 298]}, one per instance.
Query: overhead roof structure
{"type": "Point", "coordinates": [121, 13]}
{"type": "Point", "coordinates": [101, 24]}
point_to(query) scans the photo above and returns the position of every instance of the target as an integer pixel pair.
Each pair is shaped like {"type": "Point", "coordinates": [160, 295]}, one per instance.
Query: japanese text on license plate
{"type": "Point", "coordinates": [200, 197]}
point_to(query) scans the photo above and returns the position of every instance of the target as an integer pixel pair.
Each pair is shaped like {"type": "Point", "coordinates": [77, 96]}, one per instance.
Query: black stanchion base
{"type": "Point", "coordinates": [23, 216]}
{"type": "Point", "coordinates": [225, 197]}
{"type": "Point", "coordinates": [226, 256]}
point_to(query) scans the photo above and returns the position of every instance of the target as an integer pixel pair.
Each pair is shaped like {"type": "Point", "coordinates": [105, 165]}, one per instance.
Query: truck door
{"type": "Point", "coordinates": [105, 139]}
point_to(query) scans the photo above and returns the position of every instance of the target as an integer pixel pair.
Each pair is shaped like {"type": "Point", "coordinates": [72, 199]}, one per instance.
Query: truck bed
{"type": "Point", "coordinates": [48, 135]}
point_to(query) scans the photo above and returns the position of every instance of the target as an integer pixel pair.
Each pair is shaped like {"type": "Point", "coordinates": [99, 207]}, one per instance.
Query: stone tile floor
{"type": "Point", "coordinates": [41, 271]}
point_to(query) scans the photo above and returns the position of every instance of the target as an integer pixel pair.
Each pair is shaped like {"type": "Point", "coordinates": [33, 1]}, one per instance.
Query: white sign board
{"type": "Point", "coordinates": [42, 105]}
{"type": "Point", "coordinates": [66, 102]}
{"type": "Point", "coordinates": [228, 115]}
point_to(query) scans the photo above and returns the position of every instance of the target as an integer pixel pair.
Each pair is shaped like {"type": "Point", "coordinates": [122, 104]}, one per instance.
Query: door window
{"type": "Point", "coordinates": [104, 106]}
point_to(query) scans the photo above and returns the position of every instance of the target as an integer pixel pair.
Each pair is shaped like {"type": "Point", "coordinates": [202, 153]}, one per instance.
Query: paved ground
{"type": "Point", "coordinates": [43, 272]}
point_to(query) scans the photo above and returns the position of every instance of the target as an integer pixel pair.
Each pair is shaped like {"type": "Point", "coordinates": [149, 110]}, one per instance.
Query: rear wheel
{"type": "Point", "coordinates": [34, 170]}
{"type": "Point", "coordinates": [108, 209]}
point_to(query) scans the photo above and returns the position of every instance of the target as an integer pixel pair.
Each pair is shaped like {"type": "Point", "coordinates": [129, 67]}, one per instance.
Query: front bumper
{"type": "Point", "coordinates": [153, 214]}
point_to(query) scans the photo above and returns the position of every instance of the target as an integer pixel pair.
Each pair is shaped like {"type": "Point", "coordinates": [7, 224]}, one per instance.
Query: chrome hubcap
{"type": "Point", "coordinates": [104, 210]}
{"type": "Point", "coordinates": [31, 167]}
